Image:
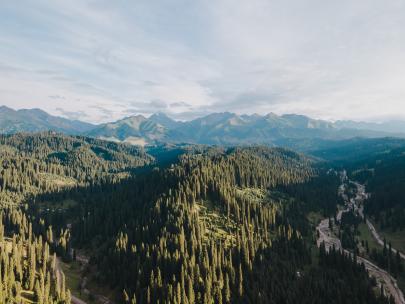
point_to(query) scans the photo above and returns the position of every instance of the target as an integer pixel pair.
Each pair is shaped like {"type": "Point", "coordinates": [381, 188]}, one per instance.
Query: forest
{"type": "Point", "coordinates": [196, 225]}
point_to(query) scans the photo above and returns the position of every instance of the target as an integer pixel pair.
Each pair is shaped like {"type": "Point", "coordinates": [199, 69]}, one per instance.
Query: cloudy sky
{"type": "Point", "coordinates": [101, 60]}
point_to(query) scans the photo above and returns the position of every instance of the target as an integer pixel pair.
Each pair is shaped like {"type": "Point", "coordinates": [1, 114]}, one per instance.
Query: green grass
{"type": "Point", "coordinates": [314, 218]}
{"type": "Point", "coordinates": [98, 289]}
{"type": "Point", "coordinates": [397, 238]}
{"type": "Point", "coordinates": [58, 180]}
{"type": "Point", "coordinates": [218, 226]}
{"type": "Point", "coordinates": [73, 277]}
{"type": "Point", "coordinates": [60, 205]}
{"type": "Point", "coordinates": [365, 235]}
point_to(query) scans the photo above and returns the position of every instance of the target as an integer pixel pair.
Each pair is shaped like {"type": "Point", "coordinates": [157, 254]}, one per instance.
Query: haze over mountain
{"type": "Point", "coordinates": [216, 128]}
{"type": "Point", "coordinates": [36, 120]}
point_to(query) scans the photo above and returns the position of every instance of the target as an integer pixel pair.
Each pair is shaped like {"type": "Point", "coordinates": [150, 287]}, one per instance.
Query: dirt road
{"type": "Point", "coordinates": [360, 198]}
{"type": "Point", "coordinates": [326, 235]}
{"type": "Point", "coordinates": [331, 240]}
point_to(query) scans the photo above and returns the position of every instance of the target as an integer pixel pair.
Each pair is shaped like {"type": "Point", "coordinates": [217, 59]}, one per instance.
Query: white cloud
{"type": "Point", "coordinates": [343, 59]}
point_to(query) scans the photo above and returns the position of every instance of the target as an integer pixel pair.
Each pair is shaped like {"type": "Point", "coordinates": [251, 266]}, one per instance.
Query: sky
{"type": "Point", "coordinates": [99, 61]}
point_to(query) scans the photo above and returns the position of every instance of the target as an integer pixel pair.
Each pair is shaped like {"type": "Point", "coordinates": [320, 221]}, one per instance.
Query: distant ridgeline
{"type": "Point", "coordinates": [214, 226]}
{"type": "Point", "coordinates": [296, 131]}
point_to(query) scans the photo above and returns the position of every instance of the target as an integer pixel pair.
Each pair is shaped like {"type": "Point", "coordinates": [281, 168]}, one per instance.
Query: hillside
{"type": "Point", "coordinates": [211, 225]}
{"type": "Point", "coordinates": [47, 162]}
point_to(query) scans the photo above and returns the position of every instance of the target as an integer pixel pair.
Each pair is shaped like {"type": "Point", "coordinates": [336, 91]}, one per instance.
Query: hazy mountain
{"type": "Point", "coordinates": [134, 130]}
{"type": "Point", "coordinates": [36, 120]}
{"type": "Point", "coordinates": [394, 126]}
{"type": "Point", "coordinates": [297, 131]}
{"type": "Point", "coordinates": [291, 130]}
{"type": "Point", "coordinates": [164, 120]}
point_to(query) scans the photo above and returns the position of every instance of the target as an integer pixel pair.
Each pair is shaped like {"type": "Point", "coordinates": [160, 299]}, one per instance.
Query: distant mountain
{"type": "Point", "coordinates": [36, 120]}
{"type": "Point", "coordinates": [291, 130]}
{"type": "Point", "coordinates": [286, 130]}
{"type": "Point", "coordinates": [165, 121]}
{"type": "Point", "coordinates": [136, 130]}
{"type": "Point", "coordinates": [395, 126]}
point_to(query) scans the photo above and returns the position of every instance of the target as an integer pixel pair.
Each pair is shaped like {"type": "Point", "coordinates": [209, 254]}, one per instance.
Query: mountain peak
{"type": "Point", "coordinates": [163, 120]}
{"type": "Point", "coordinates": [5, 109]}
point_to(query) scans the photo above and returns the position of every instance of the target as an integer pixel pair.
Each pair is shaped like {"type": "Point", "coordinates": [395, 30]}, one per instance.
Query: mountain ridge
{"type": "Point", "coordinates": [222, 128]}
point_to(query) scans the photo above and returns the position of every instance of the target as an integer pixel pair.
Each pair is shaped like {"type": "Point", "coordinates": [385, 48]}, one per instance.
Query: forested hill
{"type": "Point", "coordinates": [50, 162]}
{"type": "Point", "coordinates": [380, 165]}
{"type": "Point", "coordinates": [213, 228]}
{"type": "Point", "coordinates": [384, 176]}
{"type": "Point", "coordinates": [218, 225]}
{"type": "Point", "coordinates": [32, 165]}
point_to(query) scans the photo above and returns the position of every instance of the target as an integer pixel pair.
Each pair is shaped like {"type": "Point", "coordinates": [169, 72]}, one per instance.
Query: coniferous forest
{"type": "Point", "coordinates": [205, 225]}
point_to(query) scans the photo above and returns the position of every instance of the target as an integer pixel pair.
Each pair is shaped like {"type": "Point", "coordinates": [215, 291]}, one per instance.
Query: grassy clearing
{"type": "Point", "coordinates": [397, 238]}
{"type": "Point", "coordinates": [217, 225]}
{"type": "Point", "coordinates": [220, 227]}
{"type": "Point", "coordinates": [73, 276]}
{"type": "Point", "coordinates": [261, 196]}
{"type": "Point", "coordinates": [58, 180]}
{"type": "Point", "coordinates": [366, 236]}
{"type": "Point", "coordinates": [97, 289]}
{"type": "Point", "coordinates": [59, 205]}
{"type": "Point", "coordinates": [314, 218]}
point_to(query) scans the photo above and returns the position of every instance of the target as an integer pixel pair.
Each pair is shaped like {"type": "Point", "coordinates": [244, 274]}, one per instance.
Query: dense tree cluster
{"type": "Point", "coordinates": [42, 164]}
{"type": "Point", "coordinates": [27, 267]}
{"type": "Point", "coordinates": [160, 249]}
{"type": "Point", "coordinates": [32, 164]}
{"type": "Point", "coordinates": [164, 248]}
{"type": "Point", "coordinates": [385, 179]}
{"type": "Point", "coordinates": [320, 193]}
{"type": "Point", "coordinates": [388, 260]}
{"type": "Point", "coordinates": [216, 226]}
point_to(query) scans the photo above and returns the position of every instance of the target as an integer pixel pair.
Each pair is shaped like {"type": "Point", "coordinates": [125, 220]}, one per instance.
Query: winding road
{"type": "Point", "coordinates": [360, 197]}
{"type": "Point", "coordinates": [328, 237]}
{"type": "Point", "coordinates": [331, 240]}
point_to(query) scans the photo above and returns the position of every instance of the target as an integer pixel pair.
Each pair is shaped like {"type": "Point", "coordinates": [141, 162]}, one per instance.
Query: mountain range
{"type": "Point", "coordinates": [37, 120]}
{"type": "Point", "coordinates": [217, 128]}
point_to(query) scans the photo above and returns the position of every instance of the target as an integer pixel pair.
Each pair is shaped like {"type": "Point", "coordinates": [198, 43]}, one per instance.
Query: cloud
{"type": "Point", "coordinates": [57, 97]}
{"type": "Point", "coordinates": [180, 104]}
{"type": "Point", "coordinates": [79, 115]}
{"type": "Point", "coordinates": [108, 59]}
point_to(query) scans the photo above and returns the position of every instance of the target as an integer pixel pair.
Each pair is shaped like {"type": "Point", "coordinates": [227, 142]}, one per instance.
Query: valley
{"type": "Point", "coordinates": [190, 224]}
{"type": "Point", "coordinates": [327, 237]}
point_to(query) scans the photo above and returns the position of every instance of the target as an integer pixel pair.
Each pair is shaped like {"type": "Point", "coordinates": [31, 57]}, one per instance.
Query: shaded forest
{"type": "Point", "coordinates": [217, 225]}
